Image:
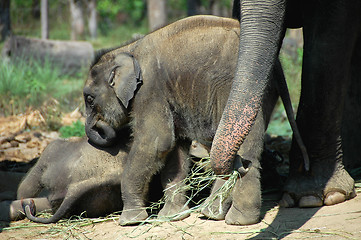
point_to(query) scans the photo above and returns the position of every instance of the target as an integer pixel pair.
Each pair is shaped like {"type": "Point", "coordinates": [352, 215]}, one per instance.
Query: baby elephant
{"type": "Point", "coordinates": [77, 176]}
{"type": "Point", "coordinates": [172, 86]}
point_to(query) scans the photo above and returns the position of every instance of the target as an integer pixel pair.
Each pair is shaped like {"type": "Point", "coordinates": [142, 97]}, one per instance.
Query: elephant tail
{"type": "Point", "coordinates": [30, 210]}
{"type": "Point", "coordinates": [286, 100]}
{"type": "Point", "coordinates": [75, 192]}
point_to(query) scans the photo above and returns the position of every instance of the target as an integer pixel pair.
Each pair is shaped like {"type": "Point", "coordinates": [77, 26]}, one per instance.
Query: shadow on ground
{"type": "Point", "coordinates": [279, 228]}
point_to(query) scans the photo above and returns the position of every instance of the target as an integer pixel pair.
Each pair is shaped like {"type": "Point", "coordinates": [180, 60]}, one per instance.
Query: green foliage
{"type": "Point", "coordinates": [292, 67]}
{"type": "Point", "coordinates": [30, 83]}
{"type": "Point", "coordinates": [279, 124]}
{"type": "Point", "coordinates": [131, 11]}
{"type": "Point", "coordinates": [110, 8]}
{"type": "Point", "coordinates": [77, 129]}
{"type": "Point", "coordinates": [119, 35]}
{"type": "Point", "coordinates": [178, 4]}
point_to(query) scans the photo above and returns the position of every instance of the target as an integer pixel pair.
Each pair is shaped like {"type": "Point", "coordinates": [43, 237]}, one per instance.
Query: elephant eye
{"type": "Point", "coordinates": [89, 99]}
{"type": "Point", "coordinates": [111, 78]}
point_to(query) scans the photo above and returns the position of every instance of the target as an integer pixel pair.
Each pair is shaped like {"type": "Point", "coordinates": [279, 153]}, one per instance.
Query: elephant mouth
{"type": "Point", "coordinates": [101, 134]}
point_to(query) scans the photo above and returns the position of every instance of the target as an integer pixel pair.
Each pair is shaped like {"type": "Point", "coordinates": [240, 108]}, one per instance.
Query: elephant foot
{"type": "Point", "coordinates": [216, 208]}
{"type": "Point", "coordinates": [174, 212]}
{"type": "Point", "coordinates": [28, 203]}
{"type": "Point", "coordinates": [215, 211]}
{"type": "Point", "coordinates": [132, 217]}
{"type": "Point", "coordinates": [237, 217]}
{"type": "Point", "coordinates": [318, 189]}
{"type": "Point", "coordinates": [305, 201]}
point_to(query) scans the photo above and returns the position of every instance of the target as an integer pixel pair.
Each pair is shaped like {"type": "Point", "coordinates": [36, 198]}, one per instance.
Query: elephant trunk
{"type": "Point", "coordinates": [101, 134]}
{"type": "Point", "coordinates": [262, 28]}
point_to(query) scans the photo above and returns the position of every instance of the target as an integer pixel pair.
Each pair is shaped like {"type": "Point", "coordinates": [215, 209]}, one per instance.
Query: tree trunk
{"type": "Point", "coordinates": [71, 56]}
{"type": "Point", "coordinates": [44, 20]}
{"type": "Point", "coordinates": [35, 9]}
{"type": "Point", "coordinates": [215, 8]}
{"type": "Point", "coordinates": [5, 28]}
{"type": "Point", "coordinates": [218, 9]}
{"type": "Point", "coordinates": [157, 14]}
{"type": "Point", "coordinates": [77, 22]}
{"type": "Point", "coordinates": [193, 7]}
{"type": "Point", "coordinates": [92, 20]}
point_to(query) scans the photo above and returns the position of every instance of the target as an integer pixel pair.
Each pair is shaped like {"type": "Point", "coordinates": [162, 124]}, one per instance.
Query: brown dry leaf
{"type": "Point", "coordinates": [15, 124]}
{"type": "Point", "coordinates": [35, 119]}
{"type": "Point", "coordinates": [69, 118]}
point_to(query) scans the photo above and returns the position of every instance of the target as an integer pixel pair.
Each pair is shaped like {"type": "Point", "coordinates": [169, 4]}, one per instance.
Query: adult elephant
{"type": "Point", "coordinates": [332, 60]}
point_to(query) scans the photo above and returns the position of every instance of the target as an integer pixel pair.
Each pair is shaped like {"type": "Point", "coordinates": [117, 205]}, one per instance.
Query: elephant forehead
{"type": "Point", "coordinates": [104, 62]}
{"type": "Point", "coordinates": [123, 59]}
{"type": "Point", "coordinates": [113, 58]}
{"type": "Point", "coordinates": [100, 71]}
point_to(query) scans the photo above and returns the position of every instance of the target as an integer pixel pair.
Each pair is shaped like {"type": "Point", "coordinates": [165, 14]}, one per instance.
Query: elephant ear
{"type": "Point", "coordinates": [127, 78]}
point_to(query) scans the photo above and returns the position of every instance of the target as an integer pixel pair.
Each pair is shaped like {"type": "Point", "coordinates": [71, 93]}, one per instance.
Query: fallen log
{"type": "Point", "coordinates": [71, 56]}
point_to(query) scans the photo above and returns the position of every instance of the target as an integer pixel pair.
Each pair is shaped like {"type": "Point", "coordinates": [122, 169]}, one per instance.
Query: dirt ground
{"type": "Point", "coordinates": [342, 221]}
{"type": "Point", "coordinates": [17, 143]}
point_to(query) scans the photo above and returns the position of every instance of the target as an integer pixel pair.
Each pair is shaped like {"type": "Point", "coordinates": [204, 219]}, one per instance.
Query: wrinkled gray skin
{"type": "Point", "coordinates": [172, 85]}
{"type": "Point", "coordinates": [74, 176]}
{"type": "Point", "coordinates": [331, 63]}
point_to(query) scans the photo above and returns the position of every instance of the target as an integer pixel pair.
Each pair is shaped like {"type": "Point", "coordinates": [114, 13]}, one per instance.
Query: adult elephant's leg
{"type": "Point", "coordinates": [330, 40]}
{"type": "Point", "coordinates": [351, 124]}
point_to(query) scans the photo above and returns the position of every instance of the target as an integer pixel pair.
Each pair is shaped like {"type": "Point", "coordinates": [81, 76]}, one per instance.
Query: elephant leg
{"type": "Point", "coordinates": [216, 207]}
{"type": "Point", "coordinates": [246, 195]}
{"type": "Point", "coordinates": [351, 123]}
{"type": "Point", "coordinates": [242, 207]}
{"type": "Point", "coordinates": [173, 174]}
{"type": "Point", "coordinates": [328, 51]}
{"type": "Point", "coordinates": [153, 141]}
{"type": "Point", "coordinates": [31, 185]}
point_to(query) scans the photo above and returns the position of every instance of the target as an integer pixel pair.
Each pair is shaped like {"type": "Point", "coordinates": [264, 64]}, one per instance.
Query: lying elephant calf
{"type": "Point", "coordinates": [78, 177]}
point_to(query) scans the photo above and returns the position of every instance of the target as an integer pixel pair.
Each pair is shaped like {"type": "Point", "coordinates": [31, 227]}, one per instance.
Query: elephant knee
{"type": "Point", "coordinates": [163, 145]}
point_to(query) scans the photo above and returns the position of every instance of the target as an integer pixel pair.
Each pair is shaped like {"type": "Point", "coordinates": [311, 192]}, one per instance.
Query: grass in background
{"type": "Point", "coordinates": [27, 84]}
{"type": "Point", "coordinates": [30, 83]}
{"type": "Point", "coordinates": [292, 67]}
{"type": "Point", "coordinates": [76, 129]}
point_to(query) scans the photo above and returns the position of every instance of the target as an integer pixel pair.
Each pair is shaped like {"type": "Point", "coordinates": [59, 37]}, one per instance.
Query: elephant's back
{"type": "Point", "coordinates": [192, 63]}
{"type": "Point", "coordinates": [197, 62]}
{"type": "Point", "coordinates": [199, 22]}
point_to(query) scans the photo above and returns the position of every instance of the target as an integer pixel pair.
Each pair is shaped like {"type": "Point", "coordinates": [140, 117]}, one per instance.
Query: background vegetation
{"type": "Point", "coordinates": [32, 85]}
